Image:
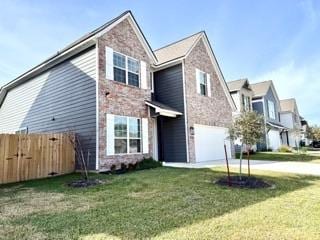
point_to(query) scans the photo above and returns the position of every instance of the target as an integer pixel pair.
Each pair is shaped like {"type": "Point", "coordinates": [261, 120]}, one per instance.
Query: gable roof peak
{"type": "Point", "coordinates": [288, 105]}
{"type": "Point", "coordinates": [236, 85]}
{"type": "Point", "coordinates": [86, 41]}
{"type": "Point", "coordinates": [260, 89]}
{"type": "Point", "coordinates": [177, 49]}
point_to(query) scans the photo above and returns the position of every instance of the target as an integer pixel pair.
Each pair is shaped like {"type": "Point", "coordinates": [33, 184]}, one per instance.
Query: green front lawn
{"type": "Point", "coordinates": [163, 203]}
{"type": "Point", "coordinates": [278, 156]}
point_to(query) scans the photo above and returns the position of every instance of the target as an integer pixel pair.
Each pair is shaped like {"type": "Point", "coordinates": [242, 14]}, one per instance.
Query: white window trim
{"type": "Point", "coordinates": [274, 110]}
{"type": "Point", "coordinates": [126, 69]}
{"type": "Point", "coordinates": [246, 103]}
{"type": "Point", "coordinates": [22, 129]}
{"type": "Point", "coordinates": [206, 83]}
{"type": "Point", "coordinates": [128, 137]}
{"type": "Point", "coordinates": [152, 81]}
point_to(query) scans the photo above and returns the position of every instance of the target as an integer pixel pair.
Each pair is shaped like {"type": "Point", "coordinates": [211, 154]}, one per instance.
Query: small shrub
{"type": "Point", "coordinates": [148, 163]}
{"type": "Point", "coordinates": [285, 149]}
{"type": "Point", "coordinates": [264, 149]}
{"type": "Point", "coordinates": [132, 167]}
{"type": "Point", "coordinates": [113, 169]}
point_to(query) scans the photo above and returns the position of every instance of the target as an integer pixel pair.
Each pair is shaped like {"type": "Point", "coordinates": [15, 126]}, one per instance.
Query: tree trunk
{"type": "Point", "coordinates": [248, 155]}
{"type": "Point", "coordinates": [241, 151]}
{"type": "Point", "coordinates": [227, 162]}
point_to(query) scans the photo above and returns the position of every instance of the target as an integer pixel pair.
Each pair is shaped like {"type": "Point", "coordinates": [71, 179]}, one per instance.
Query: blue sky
{"type": "Point", "coordinates": [260, 40]}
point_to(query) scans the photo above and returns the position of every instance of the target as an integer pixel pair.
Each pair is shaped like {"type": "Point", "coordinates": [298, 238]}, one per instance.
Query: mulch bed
{"type": "Point", "coordinates": [85, 183]}
{"type": "Point", "coordinates": [244, 182]}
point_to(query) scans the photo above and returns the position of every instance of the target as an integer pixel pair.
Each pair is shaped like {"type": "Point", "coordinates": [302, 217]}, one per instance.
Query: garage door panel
{"type": "Point", "coordinates": [209, 143]}
{"type": "Point", "coordinates": [274, 139]}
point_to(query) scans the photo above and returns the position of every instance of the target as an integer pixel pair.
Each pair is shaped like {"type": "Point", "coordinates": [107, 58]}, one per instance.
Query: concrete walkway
{"type": "Point", "coordinates": [277, 166]}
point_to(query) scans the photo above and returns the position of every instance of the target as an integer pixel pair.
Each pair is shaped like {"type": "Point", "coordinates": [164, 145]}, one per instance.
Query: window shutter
{"type": "Point", "coordinates": [109, 63]}
{"type": "Point", "coordinates": [145, 135]}
{"type": "Point", "coordinates": [209, 85]}
{"type": "Point", "coordinates": [110, 134]}
{"type": "Point", "coordinates": [143, 75]}
{"type": "Point", "coordinates": [198, 80]}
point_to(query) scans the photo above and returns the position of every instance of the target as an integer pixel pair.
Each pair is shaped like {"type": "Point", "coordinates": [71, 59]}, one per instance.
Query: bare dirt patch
{"type": "Point", "coordinates": [28, 201]}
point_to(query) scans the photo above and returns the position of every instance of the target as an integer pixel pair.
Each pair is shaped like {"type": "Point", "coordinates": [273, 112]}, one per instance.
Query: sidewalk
{"type": "Point", "coordinates": [277, 166]}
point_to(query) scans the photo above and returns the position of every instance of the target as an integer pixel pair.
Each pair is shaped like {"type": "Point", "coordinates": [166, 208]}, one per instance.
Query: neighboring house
{"type": "Point", "coordinates": [304, 132]}
{"type": "Point", "coordinates": [125, 100]}
{"type": "Point", "coordinates": [290, 119]}
{"type": "Point", "coordinates": [241, 94]}
{"type": "Point", "coordinates": [266, 102]}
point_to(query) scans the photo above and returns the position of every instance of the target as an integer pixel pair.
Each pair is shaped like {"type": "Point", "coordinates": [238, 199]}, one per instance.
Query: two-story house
{"type": "Point", "coordinates": [304, 136]}
{"type": "Point", "coordinates": [266, 102]}
{"type": "Point", "coordinates": [290, 119]}
{"type": "Point", "coordinates": [124, 100]}
{"type": "Point", "coordinates": [241, 94]}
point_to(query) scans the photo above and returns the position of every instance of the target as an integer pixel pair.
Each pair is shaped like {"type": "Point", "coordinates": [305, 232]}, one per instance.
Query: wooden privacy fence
{"type": "Point", "coordinates": [32, 156]}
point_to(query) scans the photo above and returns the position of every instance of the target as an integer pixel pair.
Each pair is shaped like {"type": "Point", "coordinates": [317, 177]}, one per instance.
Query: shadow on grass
{"type": "Point", "coordinates": [147, 203]}
{"type": "Point", "coordinates": [275, 156]}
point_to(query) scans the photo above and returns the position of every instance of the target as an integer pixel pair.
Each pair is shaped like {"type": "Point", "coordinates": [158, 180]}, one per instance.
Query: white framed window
{"type": "Point", "coordinates": [23, 130]}
{"type": "Point", "coordinates": [127, 135]}
{"type": "Point", "coordinates": [203, 83]}
{"type": "Point", "coordinates": [271, 110]}
{"type": "Point", "coordinates": [126, 69]}
{"type": "Point", "coordinates": [246, 103]}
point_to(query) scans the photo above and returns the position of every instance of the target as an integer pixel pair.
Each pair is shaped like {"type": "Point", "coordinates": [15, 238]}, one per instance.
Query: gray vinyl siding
{"type": "Point", "coordinates": [258, 107]}
{"type": "Point", "coordinates": [58, 100]}
{"type": "Point", "coordinates": [270, 96]}
{"type": "Point", "coordinates": [169, 90]}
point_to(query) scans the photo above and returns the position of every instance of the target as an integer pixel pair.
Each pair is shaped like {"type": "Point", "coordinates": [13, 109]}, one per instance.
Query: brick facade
{"type": "Point", "coordinates": [214, 110]}
{"type": "Point", "coordinates": [122, 99]}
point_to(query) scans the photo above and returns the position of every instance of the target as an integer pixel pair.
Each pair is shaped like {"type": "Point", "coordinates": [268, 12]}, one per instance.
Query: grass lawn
{"type": "Point", "coordinates": [163, 203]}
{"type": "Point", "coordinates": [278, 156]}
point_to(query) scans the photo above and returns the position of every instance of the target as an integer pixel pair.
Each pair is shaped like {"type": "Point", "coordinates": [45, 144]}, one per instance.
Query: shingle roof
{"type": "Point", "coordinates": [236, 84]}
{"type": "Point", "coordinates": [177, 49]}
{"type": "Point", "coordinates": [260, 89]}
{"type": "Point", "coordinates": [288, 105]}
{"type": "Point", "coordinates": [59, 55]}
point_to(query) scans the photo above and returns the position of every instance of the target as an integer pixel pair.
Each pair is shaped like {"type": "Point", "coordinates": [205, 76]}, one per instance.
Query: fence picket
{"type": "Point", "coordinates": [32, 156]}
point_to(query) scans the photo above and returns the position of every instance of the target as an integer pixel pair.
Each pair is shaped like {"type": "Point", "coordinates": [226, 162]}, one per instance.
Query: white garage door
{"type": "Point", "coordinates": [274, 139]}
{"type": "Point", "coordinates": [209, 143]}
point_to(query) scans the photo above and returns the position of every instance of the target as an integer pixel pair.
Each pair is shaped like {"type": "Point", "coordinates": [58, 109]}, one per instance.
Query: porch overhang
{"type": "Point", "coordinates": [162, 109]}
{"type": "Point", "coordinates": [277, 126]}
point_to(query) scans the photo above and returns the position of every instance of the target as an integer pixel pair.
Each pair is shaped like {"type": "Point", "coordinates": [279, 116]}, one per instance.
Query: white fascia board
{"type": "Point", "coordinates": [167, 64]}
{"type": "Point", "coordinates": [185, 111]}
{"type": "Point", "coordinates": [97, 106]}
{"type": "Point", "coordinates": [164, 112]}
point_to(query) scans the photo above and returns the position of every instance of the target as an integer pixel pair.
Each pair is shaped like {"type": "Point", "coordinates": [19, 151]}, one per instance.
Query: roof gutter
{"type": "Point", "coordinates": [158, 67]}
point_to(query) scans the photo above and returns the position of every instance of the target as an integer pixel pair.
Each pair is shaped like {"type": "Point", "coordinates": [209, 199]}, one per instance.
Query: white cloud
{"type": "Point", "coordinates": [301, 83]}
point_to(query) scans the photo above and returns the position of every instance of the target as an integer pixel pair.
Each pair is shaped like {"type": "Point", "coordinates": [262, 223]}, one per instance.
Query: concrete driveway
{"type": "Point", "coordinates": [277, 166]}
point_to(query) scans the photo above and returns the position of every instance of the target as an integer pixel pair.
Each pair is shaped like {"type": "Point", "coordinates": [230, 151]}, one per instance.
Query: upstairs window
{"type": "Point", "coordinates": [271, 110]}
{"type": "Point", "coordinates": [203, 83]}
{"type": "Point", "coordinates": [126, 69]}
{"type": "Point", "coordinates": [246, 103]}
